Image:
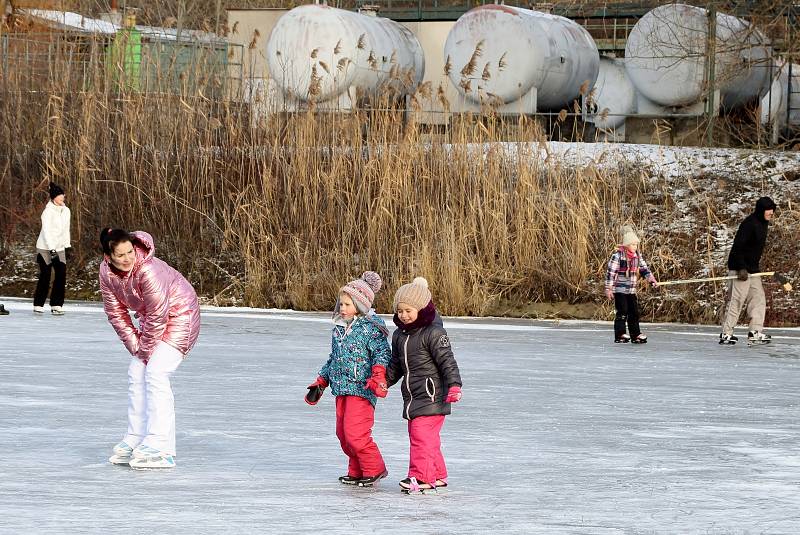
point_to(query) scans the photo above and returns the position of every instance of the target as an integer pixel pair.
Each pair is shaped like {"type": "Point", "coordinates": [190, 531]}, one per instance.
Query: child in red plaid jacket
{"type": "Point", "coordinates": [624, 269]}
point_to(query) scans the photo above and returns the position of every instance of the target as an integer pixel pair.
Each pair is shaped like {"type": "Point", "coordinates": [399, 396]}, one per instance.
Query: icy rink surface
{"type": "Point", "coordinates": [559, 431]}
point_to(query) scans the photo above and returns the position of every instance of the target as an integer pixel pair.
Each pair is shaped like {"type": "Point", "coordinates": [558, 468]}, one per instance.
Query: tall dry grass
{"type": "Point", "coordinates": [283, 213]}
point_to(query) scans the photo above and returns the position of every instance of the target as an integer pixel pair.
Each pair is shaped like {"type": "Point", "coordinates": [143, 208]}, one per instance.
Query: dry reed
{"type": "Point", "coordinates": [282, 213]}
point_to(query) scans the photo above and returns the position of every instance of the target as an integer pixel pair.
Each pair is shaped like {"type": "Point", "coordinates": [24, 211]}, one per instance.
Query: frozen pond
{"type": "Point", "coordinates": [559, 431]}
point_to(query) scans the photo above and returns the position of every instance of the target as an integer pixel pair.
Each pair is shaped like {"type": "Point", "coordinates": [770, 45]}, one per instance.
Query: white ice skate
{"type": "Point", "coordinates": [143, 452]}
{"type": "Point", "coordinates": [158, 462]}
{"type": "Point", "coordinates": [122, 454]}
{"type": "Point", "coordinates": [147, 458]}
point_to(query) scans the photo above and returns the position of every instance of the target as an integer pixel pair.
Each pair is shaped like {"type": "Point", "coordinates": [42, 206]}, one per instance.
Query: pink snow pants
{"type": "Point", "coordinates": [354, 419]}
{"type": "Point", "coordinates": [426, 462]}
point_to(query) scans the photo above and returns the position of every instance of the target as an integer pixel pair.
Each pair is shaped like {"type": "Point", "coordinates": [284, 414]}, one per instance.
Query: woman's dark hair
{"type": "Point", "coordinates": [111, 237]}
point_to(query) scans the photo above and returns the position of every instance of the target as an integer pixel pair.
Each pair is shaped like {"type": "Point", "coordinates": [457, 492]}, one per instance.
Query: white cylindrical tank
{"type": "Point", "coordinates": [776, 103]}
{"type": "Point", "coordinates": [501, 52]}
{"type": "Point", "coordinates": [613, 96]}
{"type": "Point", "coordinates": [316, 52]}
{"type": "Point", "coordinates": [665, 57]}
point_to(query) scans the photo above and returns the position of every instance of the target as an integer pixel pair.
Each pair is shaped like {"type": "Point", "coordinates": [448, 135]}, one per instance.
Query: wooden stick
{"type": "Point", "coordinates": [780, 278]}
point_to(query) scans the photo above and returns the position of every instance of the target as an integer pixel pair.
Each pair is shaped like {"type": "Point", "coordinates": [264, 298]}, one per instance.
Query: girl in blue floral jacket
{"type": "Point", "coordinates": [356, 373]}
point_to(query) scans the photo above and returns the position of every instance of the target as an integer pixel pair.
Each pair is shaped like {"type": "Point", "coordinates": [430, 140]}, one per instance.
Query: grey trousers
{"type": "Point", "coordinates": [750, 292]}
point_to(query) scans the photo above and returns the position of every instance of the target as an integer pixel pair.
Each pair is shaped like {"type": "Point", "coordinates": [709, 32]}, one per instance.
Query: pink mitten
{"type": "Point", "coordinates": [453, 394]}
{"type": "Point", "coordinates": [377, 383]}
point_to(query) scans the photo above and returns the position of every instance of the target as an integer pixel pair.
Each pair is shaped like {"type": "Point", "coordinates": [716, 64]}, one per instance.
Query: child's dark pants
{"type": "Point", "coordinates": [627, 312]}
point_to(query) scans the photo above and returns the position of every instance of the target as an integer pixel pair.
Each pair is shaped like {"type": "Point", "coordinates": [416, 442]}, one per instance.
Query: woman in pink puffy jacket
{"type": "Point", "coordinates": [133, 279]}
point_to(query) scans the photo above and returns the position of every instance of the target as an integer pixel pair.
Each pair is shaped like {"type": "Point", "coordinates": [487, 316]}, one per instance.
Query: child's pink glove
{"type": "Point", "coordinates": [453, 394]}
{"type": "Point", "coordinates": [315, 390]}
{"type": "Point", "coordinates": [377, 383]}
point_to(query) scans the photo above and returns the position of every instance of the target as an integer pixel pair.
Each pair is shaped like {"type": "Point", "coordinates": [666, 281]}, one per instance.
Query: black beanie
{"type": "Point", "coordinates": [55, 190]}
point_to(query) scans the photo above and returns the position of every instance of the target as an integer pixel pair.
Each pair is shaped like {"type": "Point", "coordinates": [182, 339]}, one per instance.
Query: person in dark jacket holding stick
{"type": "Point", "coordinates": [744, 259]}
{"type": "Point", "coordinates": [423, 359]}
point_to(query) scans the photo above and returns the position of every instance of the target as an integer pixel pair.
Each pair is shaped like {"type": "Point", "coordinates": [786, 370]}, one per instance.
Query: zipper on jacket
{"type": "Point", "coordinates": [408, 378]}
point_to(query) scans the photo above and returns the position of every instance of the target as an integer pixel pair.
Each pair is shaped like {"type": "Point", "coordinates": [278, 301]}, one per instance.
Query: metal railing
{"type": "Point", "coordinates": [75, 61]}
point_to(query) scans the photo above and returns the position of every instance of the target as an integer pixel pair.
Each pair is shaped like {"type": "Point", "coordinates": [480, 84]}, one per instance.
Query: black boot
{"type": "Point", "coordinates": [3, 311]}
{"type": "Point", "coordinates": [370, 481]}
{"type": "Point", "coordinates": [349, 480]}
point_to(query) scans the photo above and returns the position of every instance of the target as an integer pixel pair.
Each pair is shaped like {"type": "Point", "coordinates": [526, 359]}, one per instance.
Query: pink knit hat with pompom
{"type": "Point", "coordinates": [362, 290]}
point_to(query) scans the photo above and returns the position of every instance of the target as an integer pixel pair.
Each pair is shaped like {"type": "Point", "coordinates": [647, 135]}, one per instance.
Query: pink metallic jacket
{"type": "Point", "coordinates": [163, 300]}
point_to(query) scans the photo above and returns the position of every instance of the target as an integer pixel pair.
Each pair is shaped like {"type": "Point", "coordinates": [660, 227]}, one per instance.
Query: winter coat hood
{"type": "Point", "coordinates": [163, 300]}
{"type": "Point", "coordinates": [762, 205]}
{"type": "Point", "coordinates": [144, 247]}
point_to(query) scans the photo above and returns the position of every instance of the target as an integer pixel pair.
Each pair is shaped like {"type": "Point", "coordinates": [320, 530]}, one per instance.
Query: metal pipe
{"type": "Point", "coordinates": [711, 54]}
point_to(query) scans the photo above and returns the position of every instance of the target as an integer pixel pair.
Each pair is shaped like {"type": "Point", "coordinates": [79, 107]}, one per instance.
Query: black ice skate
{"type": "Point", "coordinates": [622, 339]}
{"type": "Point", "coordinates": [641, 339]}
{"type": "Point", "coordinates": [371, 481]}
{"type": "Point", "coordinates": [410, 485]}
{"type": "Point", "coordinates": [727, 339]}
{"type": "Point", "coordinates": [3, 311]}
{"type": "Point", "coordinates": [349, 480]}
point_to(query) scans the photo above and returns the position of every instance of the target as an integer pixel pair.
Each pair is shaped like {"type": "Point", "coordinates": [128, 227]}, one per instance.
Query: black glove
{"type": "Point", "coordinates": [53, 254]}
{"type": "Point", "coordinates": [315, 390]}
{"type": "Point", "coordinates": [68, 253]}
{"type": "Point", "coordinates": [742, 274]}
{"type": "Point", "coordinates": [314, 393]}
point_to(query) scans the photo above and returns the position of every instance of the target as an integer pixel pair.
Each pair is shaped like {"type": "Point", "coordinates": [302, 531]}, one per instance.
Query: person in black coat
{"type": "Point", "coordinates": [423, 358]}
{"type": "Point", "coordinates": [744, 259]}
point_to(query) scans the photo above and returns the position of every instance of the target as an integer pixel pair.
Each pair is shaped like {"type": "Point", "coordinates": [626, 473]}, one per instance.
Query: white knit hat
{"type": "Point", "coordinates": [415, 294]}
{"type": "Point", "coordinates": [629, 237]}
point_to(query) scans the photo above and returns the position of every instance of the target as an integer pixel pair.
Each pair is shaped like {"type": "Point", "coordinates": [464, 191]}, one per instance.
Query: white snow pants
{"type": "Point", "coordinates": [151, 406]}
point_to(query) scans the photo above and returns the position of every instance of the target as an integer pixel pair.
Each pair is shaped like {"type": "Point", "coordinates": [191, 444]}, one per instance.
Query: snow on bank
{"type": "Point", "coordinates": [676, 162]}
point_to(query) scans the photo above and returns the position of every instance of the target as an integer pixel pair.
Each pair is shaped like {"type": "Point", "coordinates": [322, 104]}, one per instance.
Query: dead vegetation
{"type": "Point", "coordinates": [280, 213]}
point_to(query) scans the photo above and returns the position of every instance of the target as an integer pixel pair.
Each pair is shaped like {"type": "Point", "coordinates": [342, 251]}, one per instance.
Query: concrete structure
{"type": "Point", "coordinates": [520, 60]}
{"type": "Point", "coordinates": [251, 28]}
{"type": "Point", "coordinates": [437, 97]}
